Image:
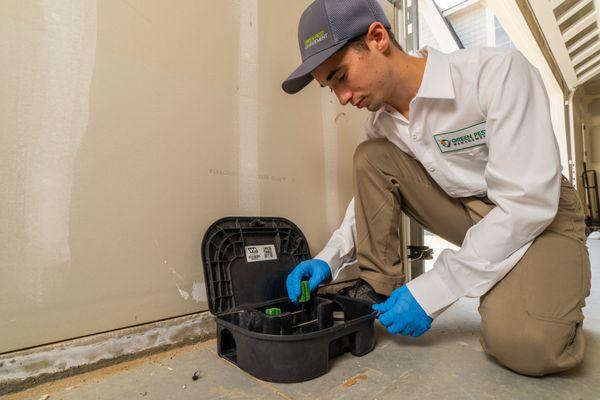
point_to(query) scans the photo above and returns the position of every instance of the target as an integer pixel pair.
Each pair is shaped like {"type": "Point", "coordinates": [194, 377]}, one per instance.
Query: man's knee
{"type": "Point", "coordinates": [368, 151]}
{"type": "Point", "coordinates": [532, 346]}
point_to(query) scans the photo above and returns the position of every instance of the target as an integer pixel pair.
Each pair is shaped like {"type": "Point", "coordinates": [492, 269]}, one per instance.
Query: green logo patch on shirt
{"type": "Point", "coordinates": [471, 136]}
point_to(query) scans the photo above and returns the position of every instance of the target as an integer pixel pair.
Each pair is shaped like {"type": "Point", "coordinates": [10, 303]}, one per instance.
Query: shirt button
{"type": "Point", "coordinates": [431, 169]}
{"type": "Point", "coordinates": [452, 193]}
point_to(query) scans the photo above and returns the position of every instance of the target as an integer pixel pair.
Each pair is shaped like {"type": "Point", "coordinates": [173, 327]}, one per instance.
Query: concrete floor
{"type": "Point", "coordinates": [446, 363]}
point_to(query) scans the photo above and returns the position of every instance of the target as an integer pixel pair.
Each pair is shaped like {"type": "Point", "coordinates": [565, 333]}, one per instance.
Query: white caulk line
{"type": "Point", "coordinates": [199, 292]}
{"type": "Point", "coordinates": [248, 184]}
{"type": "Point", "coordinates": [53, 99]}
{"type": "Point", "coordinates": [177, 274]}
{"type": "Point", "coordinates": [183, 293]}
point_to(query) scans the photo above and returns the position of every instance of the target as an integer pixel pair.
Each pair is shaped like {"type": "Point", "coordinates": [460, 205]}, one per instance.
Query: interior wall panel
{"type": "Point", "coordinates": [127, 128]}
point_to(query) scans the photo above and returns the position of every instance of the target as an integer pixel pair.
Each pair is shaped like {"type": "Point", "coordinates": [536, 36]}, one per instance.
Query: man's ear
{"type": "Point", "coordinates": [377, 37]}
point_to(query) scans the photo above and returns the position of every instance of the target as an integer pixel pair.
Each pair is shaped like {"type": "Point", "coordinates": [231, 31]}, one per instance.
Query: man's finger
{"type": "Point", "coordinates": [383, 307]}
{"type": "Point", "coordinates": [394, 328]}
{"type": "Point", "coordinates": [418, 332]}
{"type": "Point", "coordinates": [313, 283]}
{"type": "Point", "coordinates": [407, 330]}
{"type": "Point", "coordinates": [291, 284]}
{"type": "Point", "coordinates": [386, 319]}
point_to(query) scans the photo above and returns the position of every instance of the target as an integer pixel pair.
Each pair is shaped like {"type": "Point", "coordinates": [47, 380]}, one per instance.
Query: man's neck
{"type": "Point", "coordinates": [408, 75]}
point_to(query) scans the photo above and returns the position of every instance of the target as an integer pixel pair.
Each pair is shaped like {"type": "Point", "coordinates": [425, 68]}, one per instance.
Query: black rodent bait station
{"type": "Point", "coordinates": [246, 262]}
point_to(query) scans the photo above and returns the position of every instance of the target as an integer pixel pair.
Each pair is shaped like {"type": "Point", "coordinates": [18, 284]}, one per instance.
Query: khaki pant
{"type": "Point", "coordinates": [531, 320]}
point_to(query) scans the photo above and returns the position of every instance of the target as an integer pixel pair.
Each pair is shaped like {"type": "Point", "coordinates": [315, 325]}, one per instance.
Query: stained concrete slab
{"type": "Point", "coordinates": [446, 363]}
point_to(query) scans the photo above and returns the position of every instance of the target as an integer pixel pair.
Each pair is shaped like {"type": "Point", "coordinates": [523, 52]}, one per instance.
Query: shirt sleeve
{"type": "Point", "coordinates": [340, 250]}
{"type": "Point", "coordinates": [523, 176]}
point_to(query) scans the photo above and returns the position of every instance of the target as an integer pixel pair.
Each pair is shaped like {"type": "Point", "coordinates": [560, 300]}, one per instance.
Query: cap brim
{"type": "Point", "coordinates": [302, 75]}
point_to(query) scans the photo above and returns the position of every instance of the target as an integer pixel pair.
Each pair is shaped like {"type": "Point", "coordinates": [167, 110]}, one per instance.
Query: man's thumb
{"type": "Point", "coordinates": [383, 307]}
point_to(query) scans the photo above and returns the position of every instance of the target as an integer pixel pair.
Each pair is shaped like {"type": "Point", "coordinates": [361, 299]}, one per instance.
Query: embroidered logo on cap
{"type": "Point", "coordinates": [314, 39]}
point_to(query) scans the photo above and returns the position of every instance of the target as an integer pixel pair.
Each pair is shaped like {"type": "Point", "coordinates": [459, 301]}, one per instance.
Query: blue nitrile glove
{"type": "Point", "coordinates": [401, 313]}
{"type": "Point", "coordinates": [317, 270]}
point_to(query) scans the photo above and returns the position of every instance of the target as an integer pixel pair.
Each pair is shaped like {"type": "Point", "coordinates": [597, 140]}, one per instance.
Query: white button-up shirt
{"type": "Point", "coordinates": [480, 125]}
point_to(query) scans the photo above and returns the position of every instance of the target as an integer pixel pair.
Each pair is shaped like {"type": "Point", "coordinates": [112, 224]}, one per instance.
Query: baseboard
{"type": "Point", "coordinates": [24, 369]}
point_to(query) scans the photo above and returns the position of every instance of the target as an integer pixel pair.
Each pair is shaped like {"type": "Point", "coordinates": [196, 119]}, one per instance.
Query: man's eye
{"type": "Point", "coordinates": [342, 78]}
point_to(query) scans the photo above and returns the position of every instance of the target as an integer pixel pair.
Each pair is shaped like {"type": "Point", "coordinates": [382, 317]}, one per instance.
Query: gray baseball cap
{"type": "Point", "coordinates": [324, 28]}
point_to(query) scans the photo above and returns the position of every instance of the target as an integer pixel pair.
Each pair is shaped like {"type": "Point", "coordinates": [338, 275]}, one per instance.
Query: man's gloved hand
{"type": "Point", "coordinates": [401, 313]}
{"type": "Point", "coordinates": [317, 270]}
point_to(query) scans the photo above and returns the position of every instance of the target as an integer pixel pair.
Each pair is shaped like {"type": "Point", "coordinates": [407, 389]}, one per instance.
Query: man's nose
{"type": "Point", "coordinates": [344, 96]}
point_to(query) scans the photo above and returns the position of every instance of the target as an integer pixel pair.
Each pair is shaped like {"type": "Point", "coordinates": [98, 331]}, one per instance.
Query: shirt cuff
{"type": "Point", "coordinates": [432, 294]}
{"type": "Point", "coordinates": [332, 258]}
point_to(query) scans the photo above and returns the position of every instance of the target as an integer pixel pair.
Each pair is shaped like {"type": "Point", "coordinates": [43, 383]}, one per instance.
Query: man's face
{"type": "Point", "coordinates": [356, 76]}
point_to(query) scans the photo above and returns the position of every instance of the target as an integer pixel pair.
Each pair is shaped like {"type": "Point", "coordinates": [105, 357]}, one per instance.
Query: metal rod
{"type": "Point", "coordinates": [305, 323]}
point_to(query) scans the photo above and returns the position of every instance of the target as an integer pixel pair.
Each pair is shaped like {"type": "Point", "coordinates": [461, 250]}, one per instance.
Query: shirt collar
{"type": "Point", "coordinates": [436, 82]}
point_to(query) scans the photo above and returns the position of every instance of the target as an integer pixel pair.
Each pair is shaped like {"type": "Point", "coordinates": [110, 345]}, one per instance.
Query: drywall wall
{"type": "Point", "coordinates": [128, 127]}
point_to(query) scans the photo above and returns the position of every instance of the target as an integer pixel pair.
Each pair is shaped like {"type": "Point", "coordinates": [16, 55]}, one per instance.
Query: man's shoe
{"type": "Point", "coordinates": [363, 291]}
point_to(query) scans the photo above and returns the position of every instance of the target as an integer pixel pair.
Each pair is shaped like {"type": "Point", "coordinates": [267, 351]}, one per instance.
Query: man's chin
{"type": "Point", "coordinates": [374, 107]}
